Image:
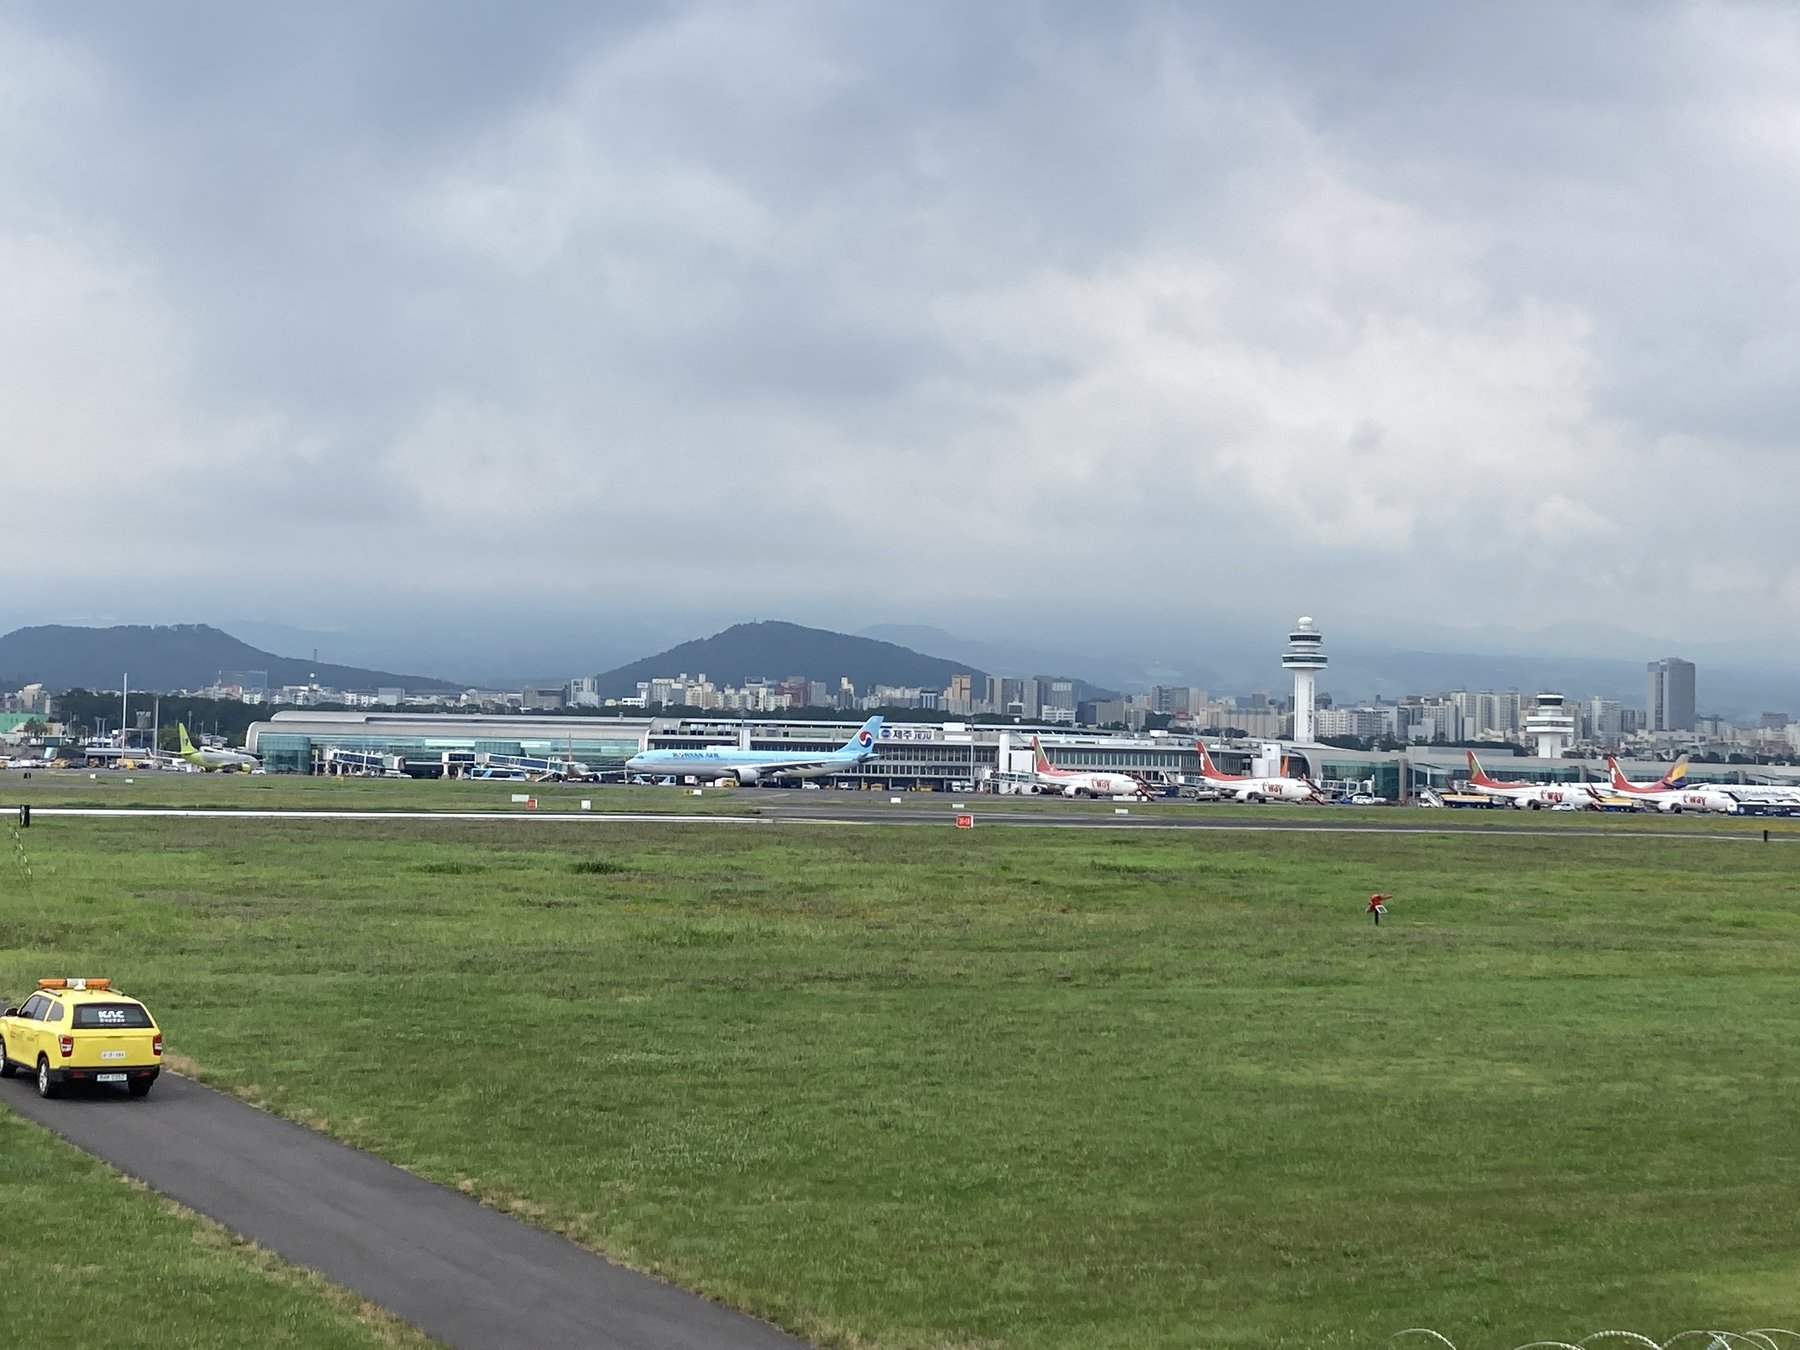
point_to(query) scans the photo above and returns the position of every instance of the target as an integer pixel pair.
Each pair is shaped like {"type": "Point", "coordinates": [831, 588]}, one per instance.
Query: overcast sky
{"type": "Point", "coordinates": [1475, 315]}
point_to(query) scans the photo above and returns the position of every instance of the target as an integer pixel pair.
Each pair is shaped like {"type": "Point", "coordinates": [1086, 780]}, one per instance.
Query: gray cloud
{"type": "Point", "coordinates": [1031, 313]}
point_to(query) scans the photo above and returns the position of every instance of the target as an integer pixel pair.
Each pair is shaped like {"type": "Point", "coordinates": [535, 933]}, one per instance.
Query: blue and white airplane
{"type": "Point", "coordinates": [749, 767]}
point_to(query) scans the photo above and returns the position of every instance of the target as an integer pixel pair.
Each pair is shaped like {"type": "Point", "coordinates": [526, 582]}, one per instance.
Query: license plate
{"type": "Point", "coordinates": [112, 1054]}
{"type": "Point", "coordinates": [109, 1078]}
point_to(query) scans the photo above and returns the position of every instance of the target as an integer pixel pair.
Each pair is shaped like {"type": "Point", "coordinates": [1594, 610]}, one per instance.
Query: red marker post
{"type": "Point", "coordinates": [1378, 906]}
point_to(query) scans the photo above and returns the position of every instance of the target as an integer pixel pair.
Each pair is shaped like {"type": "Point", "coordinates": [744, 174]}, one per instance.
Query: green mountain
{"type": "Point", "coordinates": [178, 656]}
{"type": "Point", "coordinates": [777, 650]}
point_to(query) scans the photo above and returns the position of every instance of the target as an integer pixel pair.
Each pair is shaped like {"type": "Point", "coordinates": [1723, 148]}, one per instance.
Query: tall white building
{"type": "Point", "coordinates": [1305, 656]}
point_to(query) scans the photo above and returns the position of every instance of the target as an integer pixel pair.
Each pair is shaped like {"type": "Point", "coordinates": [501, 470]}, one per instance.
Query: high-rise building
{"type": "Point", "coordinates": [1605, 721]}
{"type": "Point", "coordinates": [1669, 695]}
{"type": "Point", "coordinates": [1056, 698]}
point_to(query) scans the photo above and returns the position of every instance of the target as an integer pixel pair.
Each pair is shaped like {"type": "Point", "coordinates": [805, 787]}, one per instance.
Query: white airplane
{"type": "Point", "coordinates": [716, 763]}
{"type": "Point", "coordinates": [1670, 794]}
{"type": "Point", "coordinates": [1083, 782]}
{"type": "Point", "coordinates": [207, 757]}
{"type": "Point", "coordinates": [1532, 796]}
{"type": "Point", "coordinates": [1246, 787]}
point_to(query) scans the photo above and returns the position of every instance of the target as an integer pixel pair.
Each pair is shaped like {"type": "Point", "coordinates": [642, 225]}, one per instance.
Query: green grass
{"type": "Point", "coordinates": [88, 1259]}
{"type": "Point", "coordinates": [1016, 1087]}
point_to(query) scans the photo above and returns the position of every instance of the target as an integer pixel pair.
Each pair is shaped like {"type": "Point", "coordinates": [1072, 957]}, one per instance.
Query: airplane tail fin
{"type": "Point", "coordinates": [1677, 775]}
{"type": "Point", "coordinates": [1619, 781]}
{"type": "Point", "coordinates": [1207, 768]}
{"type": "Point", "coordinates": [1477, 774]}
{"type": "Point", "coordinates": [863, 742]}
{"type": "Point", "coordinates": [1040, 762]}
{"type": "Point", "coordinates": [187, 746]}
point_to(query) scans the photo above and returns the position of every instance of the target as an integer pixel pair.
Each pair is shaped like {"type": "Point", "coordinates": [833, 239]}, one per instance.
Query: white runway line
{"type": "Point", "coordinates": [781, 816]}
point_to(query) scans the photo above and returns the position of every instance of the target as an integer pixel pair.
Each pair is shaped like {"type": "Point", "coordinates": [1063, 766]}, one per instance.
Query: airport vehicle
{"type": "Point", "coordinates": [1244, 787]}
{"type": "Point", "coordinates": [748, 767]}
{"type": "Point", "coordinates": [207, 758]}
{"type": "Point", "coordinates": [1083, 782]}
{"type": "Point", "coordinates": [1531, 796]}
{"type": "Point", "coordinates": [81, 1031]}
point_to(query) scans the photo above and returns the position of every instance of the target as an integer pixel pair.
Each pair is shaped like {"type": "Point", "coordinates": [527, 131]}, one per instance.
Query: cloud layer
{"type": "Point", "coordinates": [848, 314]}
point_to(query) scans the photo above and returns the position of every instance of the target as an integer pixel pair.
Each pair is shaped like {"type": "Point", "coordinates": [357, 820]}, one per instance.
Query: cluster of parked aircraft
{"type": "Point", "coordinates": [1670, 793]}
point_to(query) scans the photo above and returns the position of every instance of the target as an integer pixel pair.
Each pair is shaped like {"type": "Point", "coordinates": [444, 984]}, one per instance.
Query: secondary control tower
{"type": "Point", "coordinates": [1552, 725]}
{"type": "Point", "coordinates": [1304, 656]}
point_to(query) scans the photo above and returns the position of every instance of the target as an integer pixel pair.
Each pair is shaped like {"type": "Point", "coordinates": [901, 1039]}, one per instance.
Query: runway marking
{"type": "Point", "coordinates": [874, 815]}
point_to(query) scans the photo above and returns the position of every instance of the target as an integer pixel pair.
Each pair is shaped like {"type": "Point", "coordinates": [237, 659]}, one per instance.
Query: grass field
{"type": "Point", "coordinates": [88, 1260]}
{"type": "Point", "coordinates": [919, 1088]}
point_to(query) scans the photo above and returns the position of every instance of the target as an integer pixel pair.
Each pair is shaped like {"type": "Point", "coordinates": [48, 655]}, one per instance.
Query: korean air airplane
{"type": "Point", "coordinates": [749, 767]}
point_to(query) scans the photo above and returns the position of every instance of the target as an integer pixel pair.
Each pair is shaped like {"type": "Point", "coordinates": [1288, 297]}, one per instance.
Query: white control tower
{"type": "Point", "coordinates": [1552, 725]}
{"type": "Point", "coordinates": [1305, 657]}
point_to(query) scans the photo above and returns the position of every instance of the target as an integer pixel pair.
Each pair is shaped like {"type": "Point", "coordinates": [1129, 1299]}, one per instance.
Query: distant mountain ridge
{"type": "Point", "coordinates": [775, 650]}
{"type": "Point", "coordinates": [165, 658]}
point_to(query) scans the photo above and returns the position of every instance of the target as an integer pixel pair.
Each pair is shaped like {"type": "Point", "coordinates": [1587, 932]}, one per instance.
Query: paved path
{"type": "Point", "coordinates": [467, 1275]}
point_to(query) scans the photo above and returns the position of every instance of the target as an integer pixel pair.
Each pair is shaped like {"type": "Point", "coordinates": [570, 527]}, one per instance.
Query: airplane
{"type": "Point", "coordinates": [1246, 787]}
{"type": "Point", "coordinates": [1083, 782]}
{"type": "Point", "coordinates": [748, 767]}
{"type": "Point", "coordinates": [1669, 794]}
{"type": "Point", "coordinates": [1532, 796]}
{"type": "Point", "coordinates": [207, 758]}
{"type": "Point", "coordinates": [1672, 781]}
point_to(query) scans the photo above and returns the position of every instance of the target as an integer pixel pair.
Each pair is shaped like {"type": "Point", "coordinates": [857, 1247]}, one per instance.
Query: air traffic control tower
{"type": "Point", "coordinates": [1552, 725]}
{"type": "Point", "coordinates": [1306, 658]}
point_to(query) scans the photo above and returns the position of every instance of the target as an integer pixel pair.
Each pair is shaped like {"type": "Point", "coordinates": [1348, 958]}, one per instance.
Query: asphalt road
{"type": "Point", "coordinates": [466, 1275]}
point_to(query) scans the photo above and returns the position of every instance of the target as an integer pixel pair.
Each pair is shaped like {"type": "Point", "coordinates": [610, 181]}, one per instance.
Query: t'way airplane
{"type": "Point", "coordinates": [208, 758]}
{"type": "Point", "coordinates": [1083, 782]}
{"type": "Point", "coordinates": [748, 767]}
{"type": "Point", "coordinates": [1532, 796]}
{"type": "Point", "coordinates": [1246, 787]}
{"type": "Point", "coordinates": [1668, 794]}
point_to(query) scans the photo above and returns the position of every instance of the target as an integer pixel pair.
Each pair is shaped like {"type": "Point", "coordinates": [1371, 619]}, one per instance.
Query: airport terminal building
{"type": "Point", "coordinates": [943, 756]}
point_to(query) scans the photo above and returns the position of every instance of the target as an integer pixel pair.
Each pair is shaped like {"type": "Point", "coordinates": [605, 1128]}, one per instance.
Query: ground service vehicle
{"type": "Point", "coordinates": [81, 1031]}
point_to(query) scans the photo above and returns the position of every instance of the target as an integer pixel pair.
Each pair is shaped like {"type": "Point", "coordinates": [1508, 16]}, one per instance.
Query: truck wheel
{"type": "Point", "coordinates": [140, 1087]}
{"type": "Point", "coordinates": [45, 1087]}
{"type": "Point", "coordinates": [7, 1067]}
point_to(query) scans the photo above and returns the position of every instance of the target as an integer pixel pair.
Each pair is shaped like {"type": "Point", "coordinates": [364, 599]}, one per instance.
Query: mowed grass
{"type": "Point", "coordinates": [87, 1259]}
{"type": "Point", "coordinates": [912, 1087]}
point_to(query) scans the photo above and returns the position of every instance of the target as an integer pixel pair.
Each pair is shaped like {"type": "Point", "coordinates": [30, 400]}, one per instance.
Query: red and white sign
{"type": "Point", "coordinates": [965, 822]}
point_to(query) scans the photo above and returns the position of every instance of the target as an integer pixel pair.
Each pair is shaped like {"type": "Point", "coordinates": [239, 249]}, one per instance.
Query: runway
{"type": "Point", "coordinates": [467, 1275]}
{"type": "Point", "coordinates": [1291, 820]}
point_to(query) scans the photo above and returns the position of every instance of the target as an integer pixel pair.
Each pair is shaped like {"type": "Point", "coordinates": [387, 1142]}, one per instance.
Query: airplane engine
{"type": "Point", "coordinates": [746, 777]}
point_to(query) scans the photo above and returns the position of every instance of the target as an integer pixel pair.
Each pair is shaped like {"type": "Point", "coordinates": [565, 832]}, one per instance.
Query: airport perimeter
{"type": "Point", "coordinates": [928, 1086]}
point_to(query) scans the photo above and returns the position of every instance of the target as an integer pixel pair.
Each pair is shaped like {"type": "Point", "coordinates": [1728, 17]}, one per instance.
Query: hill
{"type": "Point", "coordinates": [776, 650]}
{"type": "Point", "coordinates": [178, 656]}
